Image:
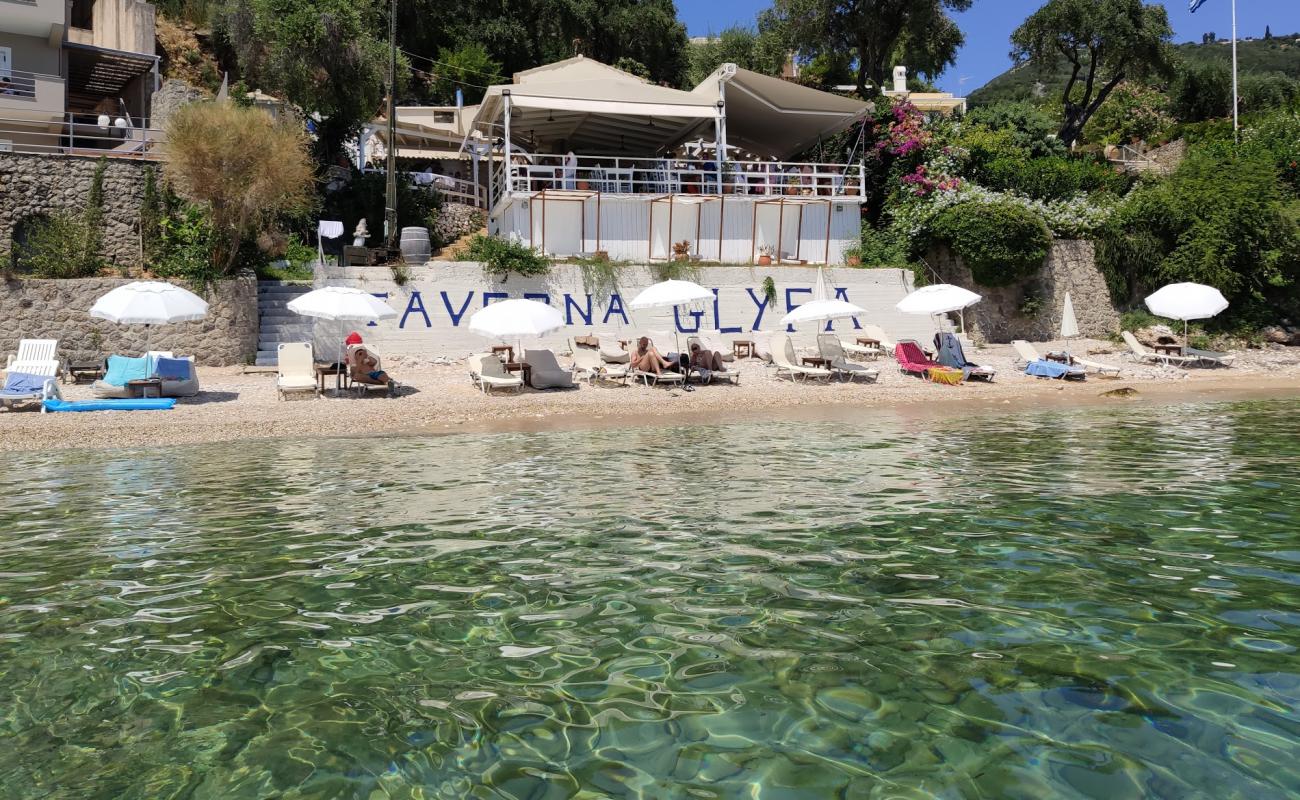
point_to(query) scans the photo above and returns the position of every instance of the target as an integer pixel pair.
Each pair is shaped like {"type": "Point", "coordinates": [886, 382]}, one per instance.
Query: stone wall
{"type": "Point", "coordinates": [57, 309]}
{"type": "Point", "coordinates": [41, 184]}
{"type": "Point", "coordinates": [1071, 267]}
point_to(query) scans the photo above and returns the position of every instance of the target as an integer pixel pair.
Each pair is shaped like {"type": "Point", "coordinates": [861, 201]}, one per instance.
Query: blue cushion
{"type": "Point", "coordinates": [1042, 368]}
{"type": "Point", "coordinates": [172, 369]}
{"type": "Point", "coordinates": [24, 382]}
{"type": "Point", "coordinates": [122, 369]}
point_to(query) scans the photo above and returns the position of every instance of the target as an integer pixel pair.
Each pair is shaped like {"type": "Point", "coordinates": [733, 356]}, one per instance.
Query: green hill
{"type": "Point", "coordinates": [1279, 54]}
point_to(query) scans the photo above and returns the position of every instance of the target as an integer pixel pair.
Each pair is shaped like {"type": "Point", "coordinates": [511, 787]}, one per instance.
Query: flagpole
{"type": "Point", "coordinates": [1236, 124]}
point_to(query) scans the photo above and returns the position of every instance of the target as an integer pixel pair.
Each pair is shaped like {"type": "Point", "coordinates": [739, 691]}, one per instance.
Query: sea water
{"type": "Point", "coordinates": [1090, 603]}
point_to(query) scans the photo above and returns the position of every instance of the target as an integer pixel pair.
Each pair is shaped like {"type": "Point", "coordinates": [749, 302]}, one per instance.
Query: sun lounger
{"type": "Point", "coordinates": [1142, 355]}
{"type": "Point", "coordinates": [833, 351]}
{"type": "Point", "coordinates": [296, 373]}
{"type": "Point", "coordinates": [709, 375]}
{"type": "Point", "coordinates": [30, 387]}
{"type": "Point", "coordinates": [783, 356]}
{"type": "Point", "coordinates": [613, 354]}
{"type": "Point", "coordinates": [177, 375]}
{"type": "Point", "coordinates": [912, 360]}
{"type": "Point", "coordinates": [487, 373]}
{"type": "Point", "coordinates": [949, 352]}
{"type": "Point", "coordinates": [545, 372]}
{"type": "Point", "coordinates": [34, 356]}
{"type": "Point", "coordinates": [588, 363]}
{"type": "Point", "coordinates": [707, 342]}
{"type": "Point", "coordinates": [877, 333]}
{"type": "Point", "coordinates": [1026, 355]}
{"type": "Point", "coordinates": [1210, 358]}
{"type": "Point", "coordinates": [1036, 366]}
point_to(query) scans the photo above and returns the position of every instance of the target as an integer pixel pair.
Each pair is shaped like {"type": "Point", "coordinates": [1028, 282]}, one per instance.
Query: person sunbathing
{"type": "Point", "coordinates": [363, 367]}
{"type": "Point", "coordinates": [647, 359]}
{"type": "Point", "coordinates": [706, 359]}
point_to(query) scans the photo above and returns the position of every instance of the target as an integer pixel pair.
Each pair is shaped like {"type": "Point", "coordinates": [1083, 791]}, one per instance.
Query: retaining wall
{"type": "Point", "coordinates": [60, 309]}
{"type": "Point", "coordinates": [436, 304]}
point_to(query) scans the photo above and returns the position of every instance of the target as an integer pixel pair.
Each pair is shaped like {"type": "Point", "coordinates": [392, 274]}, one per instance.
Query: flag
{"type": "Point", "coordinates": [1192, 5]}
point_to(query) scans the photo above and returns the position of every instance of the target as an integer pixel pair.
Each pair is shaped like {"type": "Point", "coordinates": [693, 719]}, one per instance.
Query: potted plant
{"type": "Point", "coordinates": [765, 255]}
{"type": "Point", "coordinates": [853, 257]}
{"type": "Point", "coordinates": [682, 250]}
{"type": "Point", "coordinates": [792, 184]}
{"type": "Point", "coordinates": [583, 183]}
{"type": "Point", "coordinates": [851, 187]}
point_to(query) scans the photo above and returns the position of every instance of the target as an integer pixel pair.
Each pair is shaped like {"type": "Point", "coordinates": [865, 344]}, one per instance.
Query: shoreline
{"type": "Point", "coordinates": [236, 406]}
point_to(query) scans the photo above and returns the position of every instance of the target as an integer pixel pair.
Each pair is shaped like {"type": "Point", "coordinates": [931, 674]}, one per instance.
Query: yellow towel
{"type": "Point", "coordinates": [947, 375]}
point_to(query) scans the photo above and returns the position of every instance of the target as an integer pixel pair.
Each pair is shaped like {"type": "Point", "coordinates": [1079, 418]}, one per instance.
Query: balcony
{"type": "Point", "coordinates": [81, 135]}
{"type": "Point", "coordinates": [31, 96]}
{"type": "Point", "coordinates": [43, 18]}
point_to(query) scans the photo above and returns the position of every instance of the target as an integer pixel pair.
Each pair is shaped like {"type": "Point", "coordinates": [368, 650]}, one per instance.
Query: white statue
{"type": "Point", "coordinates": [360, 235]}
{"type": "Point", "coordinates": [900, 79]}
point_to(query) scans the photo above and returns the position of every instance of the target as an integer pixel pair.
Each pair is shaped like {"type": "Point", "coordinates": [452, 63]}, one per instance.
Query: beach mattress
{"type": "Point", "coordinates": [1042, 368]}
{"type": "Point", "coordinates": [143, 404]}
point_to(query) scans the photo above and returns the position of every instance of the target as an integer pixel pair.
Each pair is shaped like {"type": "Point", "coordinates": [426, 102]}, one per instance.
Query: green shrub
{"type": "Point", "coordinates": [1001, 243]}
{"type": "Point", "coordinates": [1029, 127]}
{"type": "Point", "coordinates": [60, 245]}
{"type": "Point", "coordinates": [504, 258]}
{"type": "Point", "coordinates": [1202, 92]}
{"type": "Point", "coordinates": [882, 247]}
{"type": "Point", "coordinates": [185, 248]}
{"type": "Point", "coordinates": [1052, 178]}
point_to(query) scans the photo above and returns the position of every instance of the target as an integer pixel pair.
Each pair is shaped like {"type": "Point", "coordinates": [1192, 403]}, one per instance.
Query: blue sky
{"type": "Point", "coordinates": [989, 23]}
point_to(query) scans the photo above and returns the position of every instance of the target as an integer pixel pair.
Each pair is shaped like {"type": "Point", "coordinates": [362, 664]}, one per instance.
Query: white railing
{"type": "Point", "coordinates": [115, 136]}
{"type": "Point", "coordinates": [455, 189]}
{"type": "Point", "coordinates": [663, 176]}
{"type": "Point", "coordinates": [19, 84]}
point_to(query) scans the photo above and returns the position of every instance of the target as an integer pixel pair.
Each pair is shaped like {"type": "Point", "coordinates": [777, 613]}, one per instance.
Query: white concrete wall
{"type": "Point", "coordinates": [436, 304]}
{"type": "Point", "coordinates": [625, 227]}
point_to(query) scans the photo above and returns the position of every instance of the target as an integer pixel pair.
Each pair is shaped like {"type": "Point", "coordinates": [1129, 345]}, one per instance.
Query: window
{"type": "Point", "coordinates": [83, 14]}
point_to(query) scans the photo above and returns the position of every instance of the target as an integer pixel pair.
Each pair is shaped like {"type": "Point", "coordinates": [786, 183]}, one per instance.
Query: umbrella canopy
{"type": "Point", "coordinates": [1069, 325]}
{"type": "Point", "coordinates": [823, 307]}
{"type": "Point", "coordinates": [342, 303]}
{"type": "Point", "coordinates": [1184, 301]}
{"type": "Point", "coordinates": [149, 303]}
{"type": "Point", "coordinates": [516, 319]}
{"type": "Point", "coordinates": [670, 294]}
{"type": "Point", "coordinates": [940, 298]}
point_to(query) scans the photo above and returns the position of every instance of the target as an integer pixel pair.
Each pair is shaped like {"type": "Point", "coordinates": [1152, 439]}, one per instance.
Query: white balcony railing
{"type": "Point", "coordinates": [83, 134]}
{"type": "Point", "coordinates": [663, 176]}
{"type": "Point", "coordinates": [454, 189]}
{"type": "Point", "coordinates": [31, 92]}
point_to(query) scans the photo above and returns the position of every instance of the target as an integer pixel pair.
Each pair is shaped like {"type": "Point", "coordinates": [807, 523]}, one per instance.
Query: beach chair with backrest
{"type": "Point", "coordinates": [296, 373]}
{"type": "Point", "coordinates": [666, 377]}
{"type": "Point", "coordinates": [36, 386]}
{"type": "Point", "coordinates": [912, 360]}
{"type": "Point", "coordinates": [1142, 355]}
{"type": "Point", "coordinates": [1026, 354]}
{"type": "Point", "coordinates": [545, 372]}
{"type": "Point", "coordinates": [587, 362]}
{"type": "Point", "coordinates": [359, 381]}
{"type": "Point", "coordinates": [1036, 366]}
{"type": "Point", "coordinates": [34, 354]}
{"type": "Point", "coordinates": [487, 373]}
{"type": "Point", "coordinates": [949, 352]}
{"type": "Point", "coordinates": [833, 351]}
{"type": "Point", "coordinates": [709, 375]}
{"type": "Point", "coordinates": [783, 356]}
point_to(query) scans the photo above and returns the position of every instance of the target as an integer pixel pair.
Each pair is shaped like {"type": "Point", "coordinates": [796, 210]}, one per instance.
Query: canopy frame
{"type": "Point", "coordinates": [563, 196]}
{"type": "Point", "coordinates": [781, 201]}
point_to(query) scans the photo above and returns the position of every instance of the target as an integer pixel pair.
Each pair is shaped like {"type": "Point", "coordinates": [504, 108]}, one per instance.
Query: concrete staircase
{"type": "Point", "coordinates": [454, 250]}
{"type": "Point", "coordinates": [276, 322]}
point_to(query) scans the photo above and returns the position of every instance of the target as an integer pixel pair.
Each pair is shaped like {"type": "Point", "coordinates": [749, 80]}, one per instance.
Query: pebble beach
{"type": "Point", "coordinates": [237, 405]}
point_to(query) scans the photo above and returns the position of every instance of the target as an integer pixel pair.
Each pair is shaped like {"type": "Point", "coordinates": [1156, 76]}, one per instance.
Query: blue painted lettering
{"type": "Point", "coordinates": [790, 304]}
{"type": "Point", "coordinates": [717, 317]}
{"type": "Point", "coordinates": [488, 297]}
{"type": "Point", "coordinates": [570, 307]}
{"type": "Point", "coordinates": [843, 294]}
{"type": "Point", "coordinates": [762, 307]}
{"type": "Point", "coordinates": [541, 296]}
{"type": "Point", "coordinates": [455, 315]}
{"type": "Point", "coordinates": [381, 296]}
{"type": "Point", "coordinates": [416, 306]}
{"type": "Point", "coordinates": [615, 307]}
{"type": "Point", "coordinates": [697, 315]}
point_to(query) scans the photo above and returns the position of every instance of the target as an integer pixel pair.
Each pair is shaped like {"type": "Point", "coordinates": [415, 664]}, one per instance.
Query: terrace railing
{"type": "Point", "coordinates": [115, 136]}
{"type": "Point", "coordinates": [663, 176]}
{"type": "Point", "coordinates": [455, 189]}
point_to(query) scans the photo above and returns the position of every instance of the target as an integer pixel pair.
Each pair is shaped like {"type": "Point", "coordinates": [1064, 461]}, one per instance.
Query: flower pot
{"type": "Point", "coordinates": [682, 257]}
{"type": "Point", "coordinates": [792, 190]}
{"type": "Point", "coordinates": [765, 261]}
{"type": "Point", "coordinates": [584, 185]}
{"type": "Point", "coordinates": [851, 191]}
{"type": "Point", "coordinates": [853, 261]}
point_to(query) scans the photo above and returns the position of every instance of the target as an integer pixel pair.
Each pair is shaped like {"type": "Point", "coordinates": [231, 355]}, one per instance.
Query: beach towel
{"type": "Point", "coordinates": [23, 383]}
{"type": "Point", "coordinates": [945, 375]}
{"type": "Point", "coordinates": [121, 370]}
{"type": "Point", "coordinates": [948, 351]}
{"type": "Point", "coordinates": [1042, 368]}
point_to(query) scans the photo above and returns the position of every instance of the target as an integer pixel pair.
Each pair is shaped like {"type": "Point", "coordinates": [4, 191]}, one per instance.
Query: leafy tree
{"type": "Point", "coordinates": [1104, 42]}
{"type": "Point", "coordinates": [469, 68]}
{"type": "Point", "coordinates": [879, 32]}
{"type": "Point", "coordinates": [1133, 112]}
{"type": "Point", "coordinates": [633, 67]}
{"type": "Point", "coordinates": [326, 56]}
{"type": "Point", "coordinates": [239, 164]}
{"type": "Point", "coordinates": [1202, 91]}
{"type": "Point", "coordinates": [1031, 128]}
{"type": "Point", "coordinates": [743, 47]}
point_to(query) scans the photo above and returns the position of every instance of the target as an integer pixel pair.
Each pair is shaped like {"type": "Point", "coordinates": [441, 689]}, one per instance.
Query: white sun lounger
{"type": "Point", "coordinates": [34, 356]}
{"type": "Point", "coordinates": [1026, 353]}
{"type": "Point", "coordinates": [487, 373]}
{"type": "Point", "coordinates": [833, 351]}
{"type": "Point", "coordinates": [1143, 355]}
{"type": "Point", "coordinates": [296, 374]}
{"type": "Point", "coordinates": [49, 388]}
{"type": "Point", "coordinates": [1210, 358]}
{"type": "Point", "coordinates": [783, 357]}
{"type": "Point", "coordinates": [588, 363]}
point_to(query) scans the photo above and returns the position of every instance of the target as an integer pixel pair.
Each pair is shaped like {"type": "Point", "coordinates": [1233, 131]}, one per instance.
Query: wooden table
{"type": "Point", "coordinates": [497, 350]}
{"type": "Point", "coordinates": [525, 369]}
{"type": "Point", "coordinates": [867, 341]}
{"type": "Point", "coordinates": [76, 371]}
{"type": "Point", "coordinates": [148, 387]}
{"type": "Point", "coordinates": [1168, 349]}
{"type": "Point", "coordinates": [744, 348]}
{"type": "Point", "coordinates": [339, 371]}
{"type": "Point", "coordinates": [815, 361]}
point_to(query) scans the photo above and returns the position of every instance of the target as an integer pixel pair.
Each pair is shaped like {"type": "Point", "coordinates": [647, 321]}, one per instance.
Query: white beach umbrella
{"type": "Point", "coordinates": [341, 304]}
{"type": "Point", "coordinates": [1069, 325]}
{"type": "Point", "coordinates": [670, 294]}
{"type": "Point", "coordinates": [1186, 301]}
{"type": "Point", "coordinates": [823, 307]}
{"type": "Point", "coordinates": [516, 319]}
{"type": "Point", "coordinates": [149, 303]}
{"type": "Point", "coordinates": [941, 298]}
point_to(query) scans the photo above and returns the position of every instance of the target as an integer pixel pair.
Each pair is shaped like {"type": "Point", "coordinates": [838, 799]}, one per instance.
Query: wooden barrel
{"type": "Point", "coordinates": [415, 246]}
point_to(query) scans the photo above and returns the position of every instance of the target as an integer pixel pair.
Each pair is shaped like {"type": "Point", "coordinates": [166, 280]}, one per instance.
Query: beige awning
{"type": "Point", "coordinates": [593, 108]}
{"type": "Point", "coordinates": [774, 117]}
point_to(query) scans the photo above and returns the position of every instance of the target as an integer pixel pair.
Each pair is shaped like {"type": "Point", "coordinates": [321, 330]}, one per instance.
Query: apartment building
{"type": "Point", "coordinates": [76, 76]}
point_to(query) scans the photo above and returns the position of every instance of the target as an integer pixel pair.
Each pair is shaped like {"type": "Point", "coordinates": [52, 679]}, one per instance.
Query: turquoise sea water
{"type": "Point", "coordinates": [1094, 603]}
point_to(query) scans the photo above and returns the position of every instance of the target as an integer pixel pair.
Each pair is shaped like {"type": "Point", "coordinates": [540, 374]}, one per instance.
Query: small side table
{"type": "Point", "coordinates": [815, 361]}
{"type": "Point", "coordinates": [744, 348]}
{"type": "Point", "coordinates": [77, 371]}
{"type": "Point", "coordinates": [867, 341]}
{"type": "Point", "coordinates": [149, 387]}
{"type": "Point", "coordinates": [497, 350]}
{"type": "Point", "coordinates": [1168, 349]}
{"type": "Point", "coordinates": [524, 369]}
{"type": "Point", "coordinates": [339, 371]}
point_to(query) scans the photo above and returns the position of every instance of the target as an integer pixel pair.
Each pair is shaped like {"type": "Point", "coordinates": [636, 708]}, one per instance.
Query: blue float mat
{"type": "Point", "coordinates": [149, 404]}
